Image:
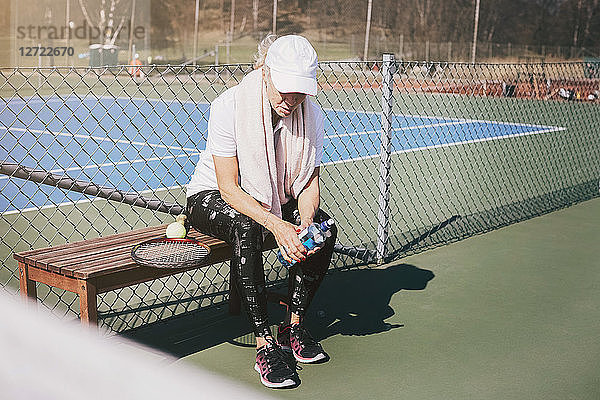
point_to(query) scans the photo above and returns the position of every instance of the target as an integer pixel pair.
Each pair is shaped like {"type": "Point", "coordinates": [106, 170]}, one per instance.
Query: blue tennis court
{"type": "Point", "coordinates": [148, 145]}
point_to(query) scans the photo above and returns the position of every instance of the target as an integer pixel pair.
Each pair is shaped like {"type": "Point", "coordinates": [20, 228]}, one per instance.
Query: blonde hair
{"type": "Point", "coordinates": [263, 46]}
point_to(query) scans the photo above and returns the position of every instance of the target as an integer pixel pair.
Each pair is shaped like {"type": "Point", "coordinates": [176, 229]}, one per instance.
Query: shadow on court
{"type": "Point", "coordinates": [357, 302]}
{"type": "Point", "coordinates": [353, 302]}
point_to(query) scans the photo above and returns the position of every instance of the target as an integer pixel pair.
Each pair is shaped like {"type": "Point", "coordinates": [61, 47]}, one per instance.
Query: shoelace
{"type": "Point", "coordinates": [275, 356]}
{"type": "Point", "coordinates": [302, 335]}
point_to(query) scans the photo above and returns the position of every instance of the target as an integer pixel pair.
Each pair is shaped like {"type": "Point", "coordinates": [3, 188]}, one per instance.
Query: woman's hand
{"type": "Point", "coordinates": [305, 223]}
{"type": "Point", "coordinates": [286, 235]}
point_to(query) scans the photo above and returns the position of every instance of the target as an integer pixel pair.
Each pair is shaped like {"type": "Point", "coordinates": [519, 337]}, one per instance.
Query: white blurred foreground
{"type": "Point", "coordinates": [42, 357]}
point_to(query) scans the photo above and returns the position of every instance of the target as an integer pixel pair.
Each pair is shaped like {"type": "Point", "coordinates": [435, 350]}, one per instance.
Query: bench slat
{"type": "Point", "coordinates": [74, 263]}
{"type": "Point", "coordinates": [118, 265]}
{"type": "Point", "coordinates": [89, 248]}
{"type": "Point", "coordinates": [46, 260]}
{"type": "Point", "coordinates": [125, 277]}
{"type": "Point", "coordinates": [110, 259]}
{"type": "Point", "coordinates": [108, 253]}
{"type": "Point", "coordinates": [54, 258]}
{"type": "Point", "coordinates": [39, 252]}
{"type": "Point", "coordinates": [219, 253]}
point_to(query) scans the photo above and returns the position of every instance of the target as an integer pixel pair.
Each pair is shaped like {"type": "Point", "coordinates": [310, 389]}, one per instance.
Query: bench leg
{"type": "Point", "coordinates": [87, 303]}
{"type": "Point", "coordinates": [27, 286]}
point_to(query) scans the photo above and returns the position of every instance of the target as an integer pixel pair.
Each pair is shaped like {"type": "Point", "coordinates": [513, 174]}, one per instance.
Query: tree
{"type": "Point", "coordinates": [108, 16]}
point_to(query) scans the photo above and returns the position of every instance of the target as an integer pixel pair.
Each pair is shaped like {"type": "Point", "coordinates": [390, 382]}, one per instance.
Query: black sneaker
{"type": "Point", "coordinates": [283, 337]}
{"type": "Point", "coordinates": [295, 338]}
{"type": "Point", "coordinates": [272, 365]}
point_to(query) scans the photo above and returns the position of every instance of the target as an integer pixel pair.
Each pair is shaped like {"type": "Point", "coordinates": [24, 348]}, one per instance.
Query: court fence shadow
{"type": "Point", "coordinates": [487, 220]}
{"type": "Point", "coordinates": [350, 302]}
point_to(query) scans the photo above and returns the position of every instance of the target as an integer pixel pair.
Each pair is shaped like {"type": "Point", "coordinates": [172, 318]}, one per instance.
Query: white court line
{"type": "Point", "coordinates": [72, 203]}
{"type": "Point", "coordinates": [553, 129]}
{"type": "Point", "coordinates": [156, 100]}
{"type": "Point", "coordinates": [404, 128]}
{"type": "Point", "coordinates": [113, 164]}
{"type": "Point", "coordinates": [467, 120]}
{"type": "Point", "coordinates": [54, 99]}
{"type": "Point", "coordinates": [340, 110]}
{"type": "Point", "coordinates": [30, 99]}
{"type": "Point", "coordinates": [98, 138]}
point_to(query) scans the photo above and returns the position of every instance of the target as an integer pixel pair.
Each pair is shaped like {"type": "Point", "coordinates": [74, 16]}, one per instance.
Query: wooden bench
{"type": "Point", "coordinates": [94, 266]}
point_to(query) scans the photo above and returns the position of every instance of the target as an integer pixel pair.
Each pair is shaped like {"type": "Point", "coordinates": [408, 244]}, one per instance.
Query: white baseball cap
{"type": "Point", "coordinates": [293, 64]}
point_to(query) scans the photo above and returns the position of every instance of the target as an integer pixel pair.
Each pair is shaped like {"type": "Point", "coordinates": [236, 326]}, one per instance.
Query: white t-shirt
{"type": "Point", "coordinates": [221, 141]}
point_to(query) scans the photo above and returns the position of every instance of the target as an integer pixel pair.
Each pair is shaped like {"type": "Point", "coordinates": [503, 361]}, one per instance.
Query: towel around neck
{"type": "Point", "coordinates": [272, 170]}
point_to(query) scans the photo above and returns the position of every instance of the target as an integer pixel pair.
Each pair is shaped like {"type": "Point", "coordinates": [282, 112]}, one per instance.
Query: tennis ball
{"type": "Point", "coordinates": [177, 229]}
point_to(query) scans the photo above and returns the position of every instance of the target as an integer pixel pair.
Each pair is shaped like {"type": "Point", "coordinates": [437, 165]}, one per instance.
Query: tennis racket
{"type": "Point", "coordinates": [170, 253]}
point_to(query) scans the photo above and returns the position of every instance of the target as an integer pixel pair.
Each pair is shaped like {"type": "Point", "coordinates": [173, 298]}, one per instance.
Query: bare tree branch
{"type": "Point", "coordinates": [114, 38]}
{"type": "Point", "coordinates": [85, 13]}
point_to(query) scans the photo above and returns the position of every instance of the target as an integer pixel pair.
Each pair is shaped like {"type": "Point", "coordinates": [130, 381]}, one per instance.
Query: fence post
{"type": "Point", "coordinates": [401, 52]}
{"type": "Point", "coordinates": [387, 103]}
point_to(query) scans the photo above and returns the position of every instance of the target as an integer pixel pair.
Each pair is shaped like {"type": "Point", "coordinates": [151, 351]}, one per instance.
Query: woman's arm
{"type": "Point", "coordinates": [308, 203]}
{"type": "Point", "coordinates": [226, 169]}
{"type": "Point", "coordinates": [309, 199]}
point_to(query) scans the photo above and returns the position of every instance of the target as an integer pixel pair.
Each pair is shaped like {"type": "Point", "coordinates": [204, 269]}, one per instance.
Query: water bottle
{"type": "Point", "coordinates": [311, 237]}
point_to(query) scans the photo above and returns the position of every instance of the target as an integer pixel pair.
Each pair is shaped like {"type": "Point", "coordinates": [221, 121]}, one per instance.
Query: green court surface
{"type": "Point", "coordinates": [510, 314]}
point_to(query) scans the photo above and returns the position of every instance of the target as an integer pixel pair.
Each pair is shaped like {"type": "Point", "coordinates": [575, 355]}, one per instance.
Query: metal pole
{"type": "Point", "coordinates": [255, 17]}
{"type": "Point", "coordinates": [196, 33]}
{"type": "Point", "coordinates": [232, 20]}
{"type": "Point", "coordinates": [39, 67]}
{"type": "Point", "coordinates": [68, 183]}
{"type": "Point", "coordinates": [387, 103]}
{"type": "Point", "coordinates": [15, 54]}
{"type": "Point", "coordinates": [368, 30]}
{"type": "Point", "coordinates": [274, 17]}
{"type": "Point", "coordinates": [68, 30]}
{"type": "Point", "coordinates": [474, 49]}
{"type": "Point", "coordinates": [228, 49]}
{"type": "Point", "coordinates": [401, 51]}
{"type": "Point", "coordinates": [131, 27]}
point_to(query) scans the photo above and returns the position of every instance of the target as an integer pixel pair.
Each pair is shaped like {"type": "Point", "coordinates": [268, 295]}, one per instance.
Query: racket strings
{"type": "Point", "coordinates": [170, 254]}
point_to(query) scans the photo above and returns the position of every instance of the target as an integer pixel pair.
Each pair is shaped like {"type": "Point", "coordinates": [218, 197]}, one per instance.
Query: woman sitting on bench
{"type": "Point", "coordinates": [260, 170]}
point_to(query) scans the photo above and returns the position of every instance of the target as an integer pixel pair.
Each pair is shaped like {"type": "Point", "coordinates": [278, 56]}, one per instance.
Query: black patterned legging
{"type": "Point", "coordinates": [211, 215]}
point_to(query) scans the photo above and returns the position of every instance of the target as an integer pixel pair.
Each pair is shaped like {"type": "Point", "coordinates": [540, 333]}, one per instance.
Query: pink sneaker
{"type": "Point", "coordinates": [273, 367]}
{"type": "Point", "coordinates": [295, 338]}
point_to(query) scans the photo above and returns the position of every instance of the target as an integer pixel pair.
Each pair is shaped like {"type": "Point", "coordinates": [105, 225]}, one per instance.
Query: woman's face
{"type": "Point", "coordinates": [282, 103]}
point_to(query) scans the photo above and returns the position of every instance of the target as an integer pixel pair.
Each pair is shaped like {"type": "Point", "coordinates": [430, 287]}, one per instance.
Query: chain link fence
{"type": "Point", "coordinates": [417, 155]}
